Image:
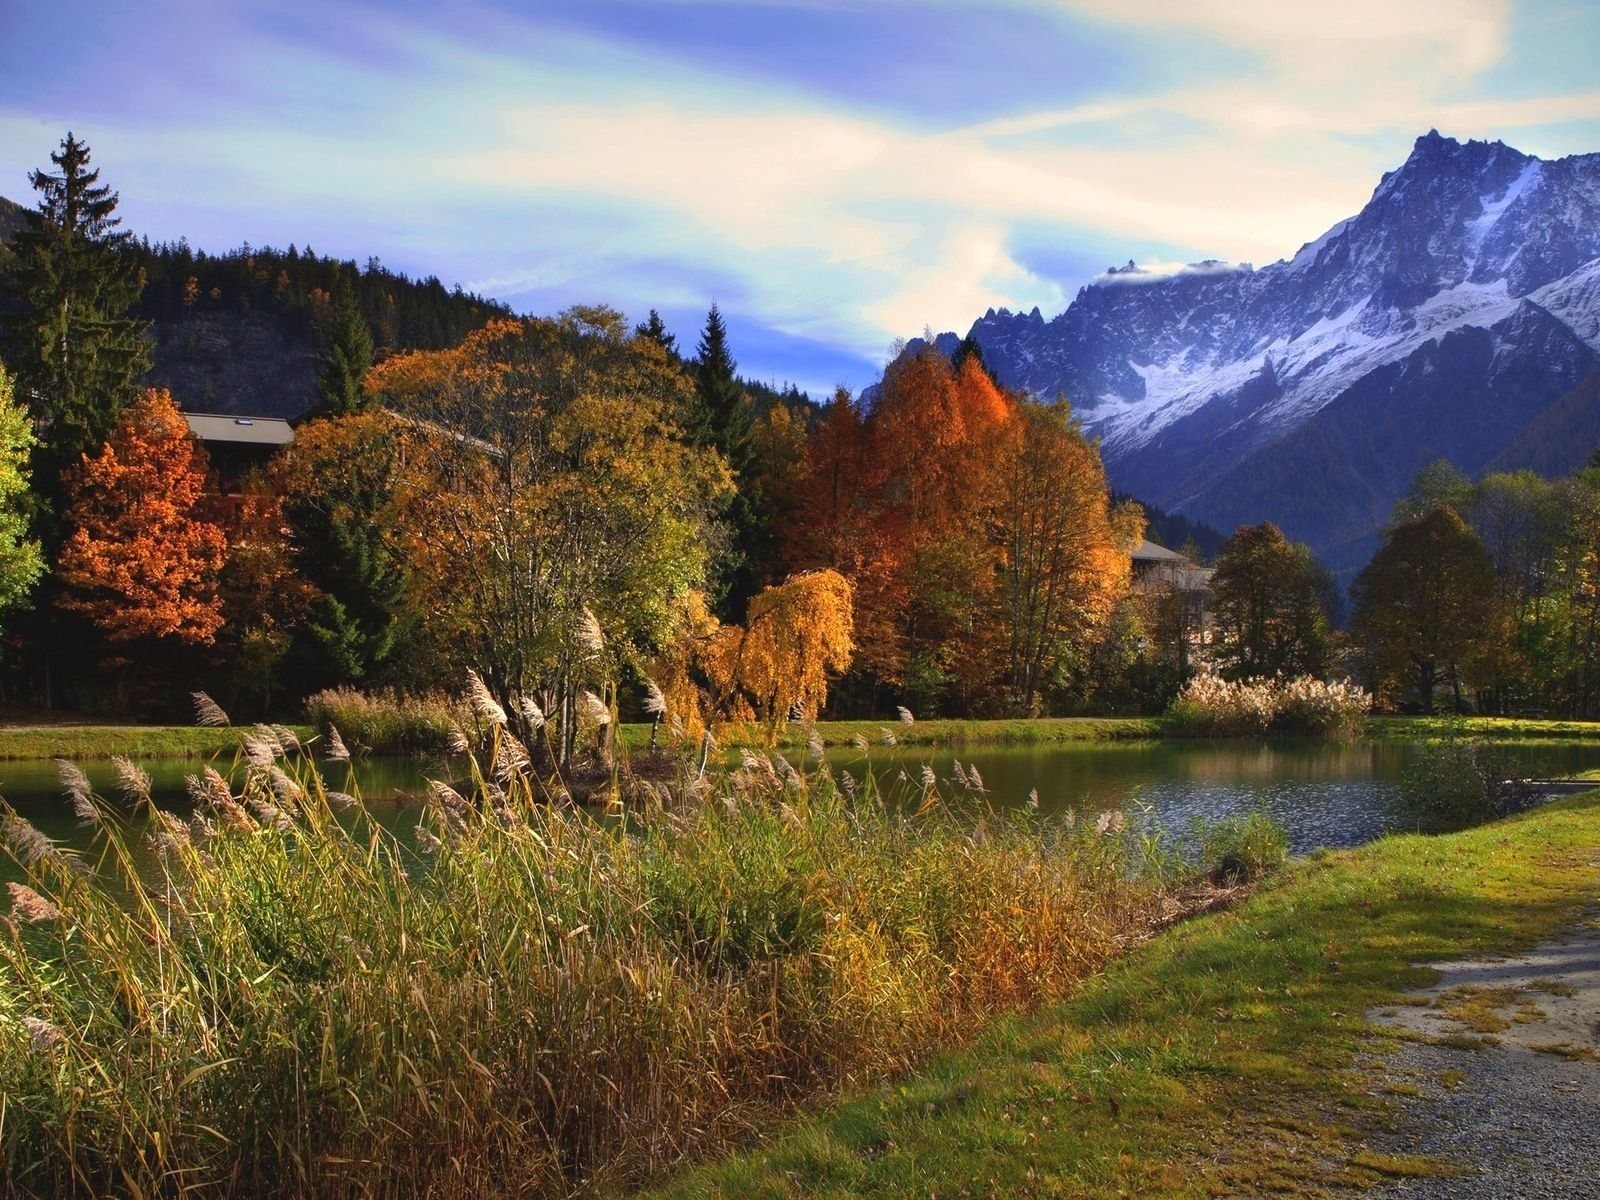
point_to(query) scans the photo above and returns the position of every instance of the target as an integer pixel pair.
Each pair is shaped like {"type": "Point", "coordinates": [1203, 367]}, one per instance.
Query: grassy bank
{"type": "Point", "coordinates": [524, 1002]}
{"type": "Point", "coordinates": [1218, 1059]}
{"type": "Point", "coordinates": [1410, 729]}
{"type": "Point", "coordinates": [82, 742]}
{"type": "Point", "coordinates": [178, 741]}
{"type": "Point", "coordinates": [174, 741]}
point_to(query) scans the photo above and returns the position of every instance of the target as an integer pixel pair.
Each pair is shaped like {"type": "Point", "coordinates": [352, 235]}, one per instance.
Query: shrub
{"type": "Point", "coordinates": [1215, 707]}
{"type": "Point", "coordinates": [1242, 849]}
{"type": "Point", "coordinates": [386, 722]}
{"type": "Point", "coordinates": [1210, 706]}
{"type": "Point", "coordinates": [1463, 778]}
{"type": "Point", "coordinates": [1311, 705]}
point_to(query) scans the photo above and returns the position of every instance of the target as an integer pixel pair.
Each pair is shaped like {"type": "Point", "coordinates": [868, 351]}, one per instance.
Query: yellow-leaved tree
{"type": "Point", "coordinates": [796, 636]}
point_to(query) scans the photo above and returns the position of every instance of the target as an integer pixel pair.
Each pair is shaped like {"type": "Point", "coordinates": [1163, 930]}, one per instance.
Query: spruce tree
{"type": "Point", "coordinates": [723, 420]}
{"type": "Point", "coordinates": [655, 329]}
{"type": "Point", "coordinates": [346, 360]}
{"type": "Point", "coordinates": [76, 353]}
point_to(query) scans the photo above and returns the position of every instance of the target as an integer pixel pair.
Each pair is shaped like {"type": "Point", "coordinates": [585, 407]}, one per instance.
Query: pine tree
{"type": "Point", "coordinates": [655, 329]}
{"type": "Point", "coordinates": [969, 348]}
{"type": "Point", "coordinates": [724, 418]}
{"type": "Point", "coordinates": [347, 358]}
{"type": "Point", "coordinates": [76, 353]}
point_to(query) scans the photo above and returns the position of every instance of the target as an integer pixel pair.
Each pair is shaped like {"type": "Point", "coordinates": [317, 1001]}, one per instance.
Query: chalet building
{"type": "Point", "coordinates": [1157, 567]}
{"type": "Point", "coordinates": [237, 445]}
{"type": "Point", "coordinates": [1178, 591]}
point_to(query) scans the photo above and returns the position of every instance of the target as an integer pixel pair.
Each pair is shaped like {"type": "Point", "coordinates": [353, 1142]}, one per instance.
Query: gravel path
{"type": "Point", "coordinates": [1521, 1113]}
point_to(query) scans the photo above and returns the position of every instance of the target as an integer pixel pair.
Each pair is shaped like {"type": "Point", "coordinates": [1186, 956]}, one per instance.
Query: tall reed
{"type": "Point", "coordinates": [281, 997]}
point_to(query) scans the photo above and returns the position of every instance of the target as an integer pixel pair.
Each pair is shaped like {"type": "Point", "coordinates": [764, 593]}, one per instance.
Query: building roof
{"type": "Point", "coordinates": [1148, 551]}
{"type": "Point", "coordinates": [251, 431]}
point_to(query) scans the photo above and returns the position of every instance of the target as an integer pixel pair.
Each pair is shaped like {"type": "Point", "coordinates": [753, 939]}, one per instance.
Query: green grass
{"type": "Point", "coordinates": [1410, 729]}
{"type": "Point", "coordinates": [1217, 1059]}
{"type": "Point", "coordinates": [85, 742]}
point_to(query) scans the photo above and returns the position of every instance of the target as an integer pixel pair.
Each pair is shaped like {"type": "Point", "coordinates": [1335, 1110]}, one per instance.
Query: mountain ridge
{"type": "Point", "coordinates": [1204, 385]}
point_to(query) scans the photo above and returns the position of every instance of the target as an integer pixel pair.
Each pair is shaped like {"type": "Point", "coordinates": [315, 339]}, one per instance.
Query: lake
{"type": "Point", "coordinates": [1322, 793]}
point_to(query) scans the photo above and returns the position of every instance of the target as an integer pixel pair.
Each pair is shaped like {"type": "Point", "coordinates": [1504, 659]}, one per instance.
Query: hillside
{"type": "Point", "coordinates": [1444, 320]}
{"type": "Point", "coordinates": [242, 332]}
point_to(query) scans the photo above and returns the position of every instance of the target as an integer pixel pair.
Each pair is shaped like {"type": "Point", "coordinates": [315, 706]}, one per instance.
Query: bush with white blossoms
{"type": "Point", "coordinates": [1211, 706]}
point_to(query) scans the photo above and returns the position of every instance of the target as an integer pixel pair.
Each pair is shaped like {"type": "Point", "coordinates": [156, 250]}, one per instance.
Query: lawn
{"type": "Point", "coordinates": [1220, 1058]}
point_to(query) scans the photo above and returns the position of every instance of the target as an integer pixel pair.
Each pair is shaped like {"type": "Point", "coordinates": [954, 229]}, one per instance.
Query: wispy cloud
{"type": "Point", "coordinates": [651, 155]}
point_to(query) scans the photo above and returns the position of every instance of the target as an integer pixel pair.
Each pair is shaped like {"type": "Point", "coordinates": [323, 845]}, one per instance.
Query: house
{"type": "Point", "coordinates": [237, 445]}
{"type": "Point", "coordinates": [1157, 567]}
{"type": "Point", "coordinates": [1176, 598]}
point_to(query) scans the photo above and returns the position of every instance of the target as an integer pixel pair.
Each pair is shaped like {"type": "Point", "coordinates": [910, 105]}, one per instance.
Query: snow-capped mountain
{"type": "Point", "coordinates": [1443, 320]}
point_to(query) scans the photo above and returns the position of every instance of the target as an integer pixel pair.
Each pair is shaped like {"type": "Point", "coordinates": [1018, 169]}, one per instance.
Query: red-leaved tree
{"type": "Point", "coordinates": [140, 562]}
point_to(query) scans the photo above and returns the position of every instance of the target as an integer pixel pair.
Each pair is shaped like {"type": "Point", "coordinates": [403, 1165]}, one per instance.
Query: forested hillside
{"type": "Point", "coordinates": [243, 332]}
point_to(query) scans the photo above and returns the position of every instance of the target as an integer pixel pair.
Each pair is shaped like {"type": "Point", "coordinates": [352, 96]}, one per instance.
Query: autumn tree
{"type": "Point", "coordinates": [21, 561]}
{"type": "Point", "coordinates": [937, 435]}
{"type": "Point", "coordinates": [76, 353]}
{"type": "Point", "coordinates": [553, 512]}
{"type": "Point", "coordinates": [1426, 607]}
{"type": "Point", "coordinates": [1268, 606]}
{"type": "Point", "coordinates": [140, 561]}
{"type": "Point", "coordinates": [797, 635]}
{"type": "Point", "coordinates": [1062, 570]}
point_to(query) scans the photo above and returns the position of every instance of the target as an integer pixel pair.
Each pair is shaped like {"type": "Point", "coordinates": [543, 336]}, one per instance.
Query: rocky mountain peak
{"type": "Point", "coordinates": [1467, 257]}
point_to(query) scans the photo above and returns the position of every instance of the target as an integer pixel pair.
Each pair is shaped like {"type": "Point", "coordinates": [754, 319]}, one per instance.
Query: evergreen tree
{"type": "Point", "coordinates": [346, 360]}
{"type": "Point", "coordinates": [969, 348]}
{"type": "Point", "coordinates": [655, 329]}
{"type": "Point", "coordinates": [722, 419]}
{"type": "Point", "coordinates": [76, 353]}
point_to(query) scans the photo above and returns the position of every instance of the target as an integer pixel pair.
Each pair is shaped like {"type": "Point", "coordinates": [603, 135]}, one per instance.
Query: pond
{"type": "Point", "coordinates": [1323, 794]}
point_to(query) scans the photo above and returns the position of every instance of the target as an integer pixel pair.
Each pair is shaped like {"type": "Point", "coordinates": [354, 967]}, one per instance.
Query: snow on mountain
{"type": "Point", "coordinates": [1188, 377]}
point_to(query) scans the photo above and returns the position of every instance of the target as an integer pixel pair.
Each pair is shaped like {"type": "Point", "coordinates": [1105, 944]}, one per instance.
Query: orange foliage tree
{"type": "Point", "coordinates": [972, 526]}
{"type": "Point", "coordinates": [550, 488]}
{"type": "Point", "coordinates": [1063, 566]}
{"type": "Point", "coordinates": [140, 561]}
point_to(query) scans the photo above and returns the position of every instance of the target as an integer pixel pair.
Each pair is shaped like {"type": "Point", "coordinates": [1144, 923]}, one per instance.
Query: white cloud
{"type": "Point", "coordinates": [846, 225]}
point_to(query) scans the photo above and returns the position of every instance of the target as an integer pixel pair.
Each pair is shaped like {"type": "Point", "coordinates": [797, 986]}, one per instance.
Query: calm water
{"type": "Point", "coordinates": [1323, 794]}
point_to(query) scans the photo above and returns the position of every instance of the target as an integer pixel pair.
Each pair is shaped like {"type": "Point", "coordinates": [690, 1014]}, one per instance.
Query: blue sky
{"type": "Point", "coordinates": [835, 174]}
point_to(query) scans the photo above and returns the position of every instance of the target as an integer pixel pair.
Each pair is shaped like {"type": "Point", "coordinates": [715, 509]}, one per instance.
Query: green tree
{"type": "Point", "coordinates": [655, 329]}
{"type": "Point", "coordinates": [1438, 483]}
{"type": "Point", "coordinates": [724, 422]}
{"type": "Point", "coordinates": [1266, 594]}
{"type": "Point", "coordinates": [346, 360]}
{"type": "Point", "coordinates": [723, 418]}
{"type": "Point", "coordinates": [1427, 610]}
{"type": "Point", "coordinates": [339, 486]}
{"type": "Point", "coordinates": [76, 353]}
{"type": "Point", "coordinates": [21, 562]}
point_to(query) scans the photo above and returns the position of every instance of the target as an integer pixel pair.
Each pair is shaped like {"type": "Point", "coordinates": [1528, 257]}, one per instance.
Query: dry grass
{"type": "Point", "coordinates": [527, 1001]}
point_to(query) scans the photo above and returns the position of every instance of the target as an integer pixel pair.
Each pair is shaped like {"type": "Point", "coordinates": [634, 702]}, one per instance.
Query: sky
{"type": "Point", "coordinates": [833, 174]}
